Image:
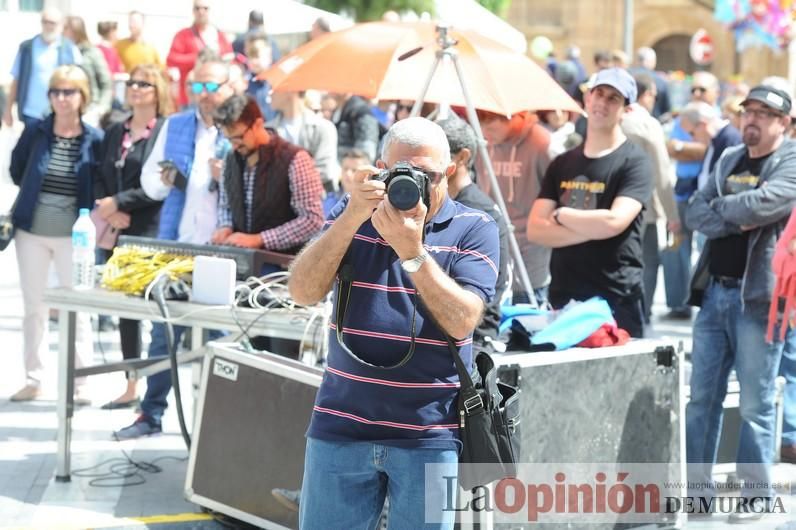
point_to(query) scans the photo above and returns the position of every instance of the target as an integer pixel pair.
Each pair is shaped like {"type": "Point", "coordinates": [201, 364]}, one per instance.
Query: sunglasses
{"type": "Point", "coordinates": [211, 87]}
{"type": "Point", "coordinates": [401, 106]}
{"type": "Point", "coordinates": [698, 89]}
{"type": "Point", "coordinates": [132, 83]}
{"type": "Point", "coordinates": [65, 92]}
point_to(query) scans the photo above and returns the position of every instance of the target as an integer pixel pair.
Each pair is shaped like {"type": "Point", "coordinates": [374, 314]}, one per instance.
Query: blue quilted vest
{"type": "Point", "coordinates": [180, 144]}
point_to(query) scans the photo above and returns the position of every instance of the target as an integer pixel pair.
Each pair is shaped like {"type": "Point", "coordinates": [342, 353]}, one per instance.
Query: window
{"type": "Point", "coordinates": [29, 5]}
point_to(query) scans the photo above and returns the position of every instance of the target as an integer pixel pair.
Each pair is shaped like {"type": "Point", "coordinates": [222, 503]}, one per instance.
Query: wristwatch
{"type": "Point", "coordinates": [414, 264]}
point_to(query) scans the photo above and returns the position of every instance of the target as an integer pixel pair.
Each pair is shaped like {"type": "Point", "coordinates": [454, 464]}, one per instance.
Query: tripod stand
{"type": "Point", "coordinates": [447, 51]}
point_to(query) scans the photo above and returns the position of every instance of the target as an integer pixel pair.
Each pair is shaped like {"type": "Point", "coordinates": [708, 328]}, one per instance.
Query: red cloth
{"type": "Point", "coordinates": [784, 267]}
{"type": "Point", "coordinates": [185, 49]}
{"type": "Point", "coordinates": [609, 334]}
{"type": "Point", "coordinates": [112, 59]}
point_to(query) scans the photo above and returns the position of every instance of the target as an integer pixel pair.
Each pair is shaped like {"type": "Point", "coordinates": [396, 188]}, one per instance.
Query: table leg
{"type": "Point", "coordinates": [66, 385]}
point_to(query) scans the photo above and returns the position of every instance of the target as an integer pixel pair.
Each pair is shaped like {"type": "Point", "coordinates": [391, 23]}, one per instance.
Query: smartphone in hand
{"type": "Point", "coordinates": [172, 176]}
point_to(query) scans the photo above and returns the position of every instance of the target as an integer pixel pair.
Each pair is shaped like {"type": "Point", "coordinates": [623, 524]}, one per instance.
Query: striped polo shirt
{"type": "Point", "coordinates": [413, 405]}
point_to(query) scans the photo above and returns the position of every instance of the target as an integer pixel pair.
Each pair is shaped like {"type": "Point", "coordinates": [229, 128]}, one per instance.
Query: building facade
{"type": "Point", "coordinates": [664, 25]}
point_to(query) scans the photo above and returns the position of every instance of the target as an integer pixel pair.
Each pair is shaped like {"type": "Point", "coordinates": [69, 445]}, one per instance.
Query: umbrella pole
{"type": "Point", "coordinates": [446, 50]}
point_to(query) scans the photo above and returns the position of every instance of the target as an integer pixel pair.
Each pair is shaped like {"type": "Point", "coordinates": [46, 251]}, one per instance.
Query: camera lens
{"type": "Point", "coordinates": [403, 192]}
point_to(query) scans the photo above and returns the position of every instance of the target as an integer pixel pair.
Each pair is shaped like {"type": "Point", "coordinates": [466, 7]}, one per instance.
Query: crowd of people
{"type": "Point", "coordinates": [238, 164]}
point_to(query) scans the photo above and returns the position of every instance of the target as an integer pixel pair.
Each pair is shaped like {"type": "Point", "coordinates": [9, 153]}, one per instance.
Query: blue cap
{"type": "Point", "coordinates": [83, 211]}
{"type": "Point", "coordinates": [620, 79]}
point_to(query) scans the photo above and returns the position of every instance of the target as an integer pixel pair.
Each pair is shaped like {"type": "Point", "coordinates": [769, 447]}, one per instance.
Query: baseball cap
{"type": "Point", "coordinates": [617, 78]}
{"type": "Point", "coordinates": [774, 98]}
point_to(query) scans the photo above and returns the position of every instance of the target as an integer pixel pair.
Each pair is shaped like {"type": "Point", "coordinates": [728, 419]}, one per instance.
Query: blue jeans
{"type": "Point", "coordinates": [729, 335]}
{"type": "Point", "coordinates": [158, 385]}
{"type": "Point", "coordinates": [677, 268]}
{"type": "Point", "coordinates": [787, 369]}
{"type": "Point", "coordinates": [345, 484]}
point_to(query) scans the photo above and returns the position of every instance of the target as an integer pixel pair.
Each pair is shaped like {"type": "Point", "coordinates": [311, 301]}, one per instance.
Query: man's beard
{"type": "Point", "coordinates": [49, 36]}
{"type": "Point", "coordinates": [751, 135]}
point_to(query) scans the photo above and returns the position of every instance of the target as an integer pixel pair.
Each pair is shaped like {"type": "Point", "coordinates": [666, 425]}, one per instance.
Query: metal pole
{"type": "Point", "coordinates": [628, 28]}
{"type": "Point", "coordinates": [446, 44]}
{"type": "Point", "coordinates": [519, 264]}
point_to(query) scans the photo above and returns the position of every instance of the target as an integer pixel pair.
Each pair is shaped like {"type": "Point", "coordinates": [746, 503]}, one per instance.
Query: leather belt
{"type": "Point", "coordinates": [727, 281]}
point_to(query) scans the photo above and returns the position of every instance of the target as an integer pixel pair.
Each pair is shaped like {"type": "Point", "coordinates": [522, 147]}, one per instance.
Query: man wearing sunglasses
{"type": "Point", "coordinates": [177, 172]}
{"type": "Point", "coordinates": [188, 42]}
{"type": "Point", "coordinates": [271, 192]}
{"type": "Point", "coordinates": [742, 210]}
{"type": "Point", "coordinates": [34, 64]}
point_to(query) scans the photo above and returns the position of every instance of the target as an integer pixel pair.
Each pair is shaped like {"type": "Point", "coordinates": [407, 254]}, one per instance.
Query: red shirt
{"type": "Point", "coordinates": [185, 49]}
{"type": "Point", "coordinates": [112, 58]}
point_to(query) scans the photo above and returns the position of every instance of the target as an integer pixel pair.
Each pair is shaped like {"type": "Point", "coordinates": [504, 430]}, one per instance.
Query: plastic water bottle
{"type": "Point", "coordinates": [84, 241]}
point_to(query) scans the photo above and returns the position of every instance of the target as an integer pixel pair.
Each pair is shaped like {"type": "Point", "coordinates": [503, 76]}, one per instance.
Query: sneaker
{"type": "Point", "coordinates": [140, 427]}
{"type": "Point", "coordinates": [27, 393]}
{"type": "Point", "coordinates": [113, 405]}
{"type": "Point", "coordinates": [288, 498]}
{"type": "Point", "coordinates": [679, 314]}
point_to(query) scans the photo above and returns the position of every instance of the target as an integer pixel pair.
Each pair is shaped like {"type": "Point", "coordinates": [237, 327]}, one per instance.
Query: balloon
{"type": "Point", "coordinates": [541, 47]}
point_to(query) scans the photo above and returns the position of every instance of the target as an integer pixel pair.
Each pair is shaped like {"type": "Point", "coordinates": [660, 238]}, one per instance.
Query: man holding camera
{"type": "Point", "coordinates": [418, 272]}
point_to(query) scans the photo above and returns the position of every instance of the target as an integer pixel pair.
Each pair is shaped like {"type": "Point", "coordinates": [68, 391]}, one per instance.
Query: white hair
{"type": "Point", "coordinates": [699, 111]}
{"type": "Point", "coordinates": [646, 57]}
{"type": "Point", "coordinates": [417, 132]}
{"type": "Point", "coordinates": [710, 81]}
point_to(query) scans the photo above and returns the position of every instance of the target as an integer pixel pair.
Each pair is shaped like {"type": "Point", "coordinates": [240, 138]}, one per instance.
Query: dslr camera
{"type": "Point", "coordinates": [406, 185]}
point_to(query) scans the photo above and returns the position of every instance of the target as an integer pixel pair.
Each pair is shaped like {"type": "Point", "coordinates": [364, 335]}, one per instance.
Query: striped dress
{"type": "Point", "coordinates": [56, 209]}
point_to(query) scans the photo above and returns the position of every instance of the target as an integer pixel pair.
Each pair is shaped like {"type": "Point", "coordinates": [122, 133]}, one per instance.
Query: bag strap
{"type": "Point", "coordinates": [470, 401]}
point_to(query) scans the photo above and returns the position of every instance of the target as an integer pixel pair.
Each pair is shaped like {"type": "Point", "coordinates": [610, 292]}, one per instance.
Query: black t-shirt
{"type": "Point", "coordinates": [473, 197]}
{"type": "Point", "coordinates": [728, 254]}
{"type": "Point", "coordinates": [608, 267]}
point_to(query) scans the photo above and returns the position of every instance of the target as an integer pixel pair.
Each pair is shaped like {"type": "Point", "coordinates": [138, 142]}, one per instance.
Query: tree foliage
{"type": "Point", "coordinates": [498, 7]}
{"type": "Point", "coordinates": [367, 10]}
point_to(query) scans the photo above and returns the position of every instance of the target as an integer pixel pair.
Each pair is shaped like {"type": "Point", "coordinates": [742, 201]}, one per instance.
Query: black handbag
{"type": "Point", "coordinates": [7, 228]}
{"type": "Point", "coordinates": [489, 419]}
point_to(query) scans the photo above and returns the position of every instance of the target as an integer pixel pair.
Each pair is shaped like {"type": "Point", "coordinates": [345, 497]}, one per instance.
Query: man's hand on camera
{"type": "Point", "coordinates": [403, 230]}
{"type": "Point", "coordinates": [366, 195]}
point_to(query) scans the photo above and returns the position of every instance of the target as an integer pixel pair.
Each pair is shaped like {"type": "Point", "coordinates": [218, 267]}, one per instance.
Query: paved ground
{"type": "Point", "coordinates": [112, 493]}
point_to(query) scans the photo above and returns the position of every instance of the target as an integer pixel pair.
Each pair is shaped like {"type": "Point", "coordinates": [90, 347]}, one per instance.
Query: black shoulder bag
{"type": "Point", "coordinates": [7, 226]}
{"type": "Point", "coordinates": [488, 409]}
{"type": "Point", "coordinates": [489, 419]}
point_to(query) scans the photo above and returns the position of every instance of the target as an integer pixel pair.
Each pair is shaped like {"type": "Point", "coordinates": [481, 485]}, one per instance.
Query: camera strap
{"type": "Point", "coordinates": [345, 278]}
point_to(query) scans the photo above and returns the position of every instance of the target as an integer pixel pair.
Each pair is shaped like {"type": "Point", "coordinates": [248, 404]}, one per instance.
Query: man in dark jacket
{"type": "Point", "coordinates": [461, 188]}
{"type": "Point", "coordinates": [742, 210]}
{"type": "Point", "coordinates": [357, 128]}
{"type": "Point", "coordinates": [271, 196]}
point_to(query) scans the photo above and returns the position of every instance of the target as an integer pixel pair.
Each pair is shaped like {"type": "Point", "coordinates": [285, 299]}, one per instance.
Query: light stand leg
{"type": "Point", "coordinates": [446, 44]}
{"type": "Point", "coordinates": [519, 264]}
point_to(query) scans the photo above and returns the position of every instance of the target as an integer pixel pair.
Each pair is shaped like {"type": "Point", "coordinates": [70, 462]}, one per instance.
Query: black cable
{"type": "Point", "coordinates": [123, 472]}
{"type": "Point", "coordinates": [159, 292]}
